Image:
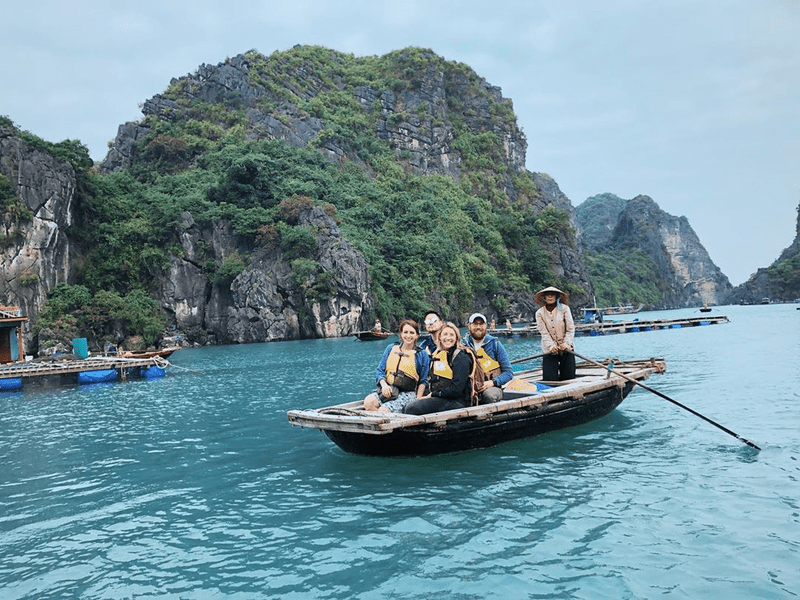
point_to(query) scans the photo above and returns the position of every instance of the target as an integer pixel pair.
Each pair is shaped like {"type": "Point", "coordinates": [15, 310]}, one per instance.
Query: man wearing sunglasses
{"type": "Point", "coordinates": [433, 323]}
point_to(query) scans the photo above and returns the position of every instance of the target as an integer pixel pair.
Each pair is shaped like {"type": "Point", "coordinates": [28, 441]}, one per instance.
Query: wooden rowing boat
{"type": "Point", "coordinates": [163, 353]}
{"type": "Point", "coordinates": [368, 336]}
{"type": "Point", "coordinates": [621, 309]}
{"type": "Point", "coordinates": [592, 394]}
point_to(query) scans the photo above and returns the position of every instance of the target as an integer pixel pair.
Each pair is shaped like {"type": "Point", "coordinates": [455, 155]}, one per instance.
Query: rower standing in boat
{"type": "Point", "coordinates": [433, 323]}
{"type": "Point", "coordinates": [492, 356]}
{"type": "Point", "coordinates": [450, 370]}
{"type": "Point", "coordinates": [402, 374]}
{"type": "Point", "coordinates": [555, 325]}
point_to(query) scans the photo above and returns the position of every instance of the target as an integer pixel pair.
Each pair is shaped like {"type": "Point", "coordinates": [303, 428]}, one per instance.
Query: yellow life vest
{"type": "Point", "coordinates": [439, 365]}
{"type": "Point", "coordinates": [400, 363]}
{"type": "Point", "coordinates": [490, 366]}
{"type": "Point", "coordinates": [441, 369]}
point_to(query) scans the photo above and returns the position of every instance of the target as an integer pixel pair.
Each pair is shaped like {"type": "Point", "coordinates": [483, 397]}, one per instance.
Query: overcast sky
{"type": "Point", "coordinates": [691, 102]}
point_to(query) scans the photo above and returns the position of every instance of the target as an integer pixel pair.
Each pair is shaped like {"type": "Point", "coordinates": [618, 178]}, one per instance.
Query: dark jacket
{"type": "Point", "coordinates": [459, 387]}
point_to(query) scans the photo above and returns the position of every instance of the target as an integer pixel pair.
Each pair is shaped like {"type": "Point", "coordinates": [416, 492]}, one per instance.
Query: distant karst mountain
{"type": "Point", "coordinates": [779, 282]}
{"type": "Point", "coordinates": [638, 252]}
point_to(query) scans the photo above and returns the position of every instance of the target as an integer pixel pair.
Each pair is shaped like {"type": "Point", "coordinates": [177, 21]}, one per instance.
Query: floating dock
{"type": "Point", "coordinates": [610, 327]}
{"type": "Point", "coordinates": [81, 370]}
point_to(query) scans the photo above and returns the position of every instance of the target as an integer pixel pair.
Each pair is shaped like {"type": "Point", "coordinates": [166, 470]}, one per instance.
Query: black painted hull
{"type": "Point", "coordinates": [469, 433]}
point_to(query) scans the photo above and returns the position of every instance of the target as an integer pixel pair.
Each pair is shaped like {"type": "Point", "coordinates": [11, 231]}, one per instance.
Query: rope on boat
{"type": "Point", "coordinates": [341, 411]}
{"type": "Point", "coordinates": [162, 362]}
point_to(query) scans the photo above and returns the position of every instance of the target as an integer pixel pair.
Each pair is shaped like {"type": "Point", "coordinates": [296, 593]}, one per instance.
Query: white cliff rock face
{"type": "Point", "coordinates": [266, 301]}
{"type": "Point", "coordinates": [690, 262]}
{"type": "Point", "coordinates": [270, 302]}
{"type": "Point", "coordinates": [35, 254]}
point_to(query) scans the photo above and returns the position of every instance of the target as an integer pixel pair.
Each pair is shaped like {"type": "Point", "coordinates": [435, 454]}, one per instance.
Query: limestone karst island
{"type": "Point", "coordinates": [305, 194]}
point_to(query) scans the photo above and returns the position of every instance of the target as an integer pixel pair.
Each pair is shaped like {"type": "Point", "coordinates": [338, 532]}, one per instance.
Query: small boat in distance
{"type": "Point", "coordinates": [532, 408]}
{"type": "Point", "coordinates": [620, 309]}
{"type": "Point", "coordinates": [164, 353]}
{"type": "Point", "coordinates": [623, 309]}
{"type": "Point", "coordinates": [369, 336]}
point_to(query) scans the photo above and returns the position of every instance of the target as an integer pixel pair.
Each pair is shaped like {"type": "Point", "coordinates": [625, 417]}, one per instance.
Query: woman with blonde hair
{"type": "Point", "coordinates": [450, 370]}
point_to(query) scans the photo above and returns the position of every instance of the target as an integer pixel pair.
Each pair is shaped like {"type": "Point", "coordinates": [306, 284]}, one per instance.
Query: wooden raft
{"type": "Point", "coordinates": [608, 327]}
{"type": "Point", "coordinates": [61, 367]}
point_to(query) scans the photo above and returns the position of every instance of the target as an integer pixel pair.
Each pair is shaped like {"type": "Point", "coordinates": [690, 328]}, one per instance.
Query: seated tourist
{"type": "Point", "coordinates": [450, 381]}
{"type": "Point", "coordinates": [402, 373]}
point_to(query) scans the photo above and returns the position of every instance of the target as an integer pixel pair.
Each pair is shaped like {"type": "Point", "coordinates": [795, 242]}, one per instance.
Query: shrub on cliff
{"type": "Point", "coordinates": [104, 315]}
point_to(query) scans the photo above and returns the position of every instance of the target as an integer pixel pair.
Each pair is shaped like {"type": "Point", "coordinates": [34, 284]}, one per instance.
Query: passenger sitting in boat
{"type": "Point", "coordinates": [433, 323]}
{"type": "Point", "coordinates": [555, 325]}
{"type": "Point", "coordinates": [492, 356]}
{"type": "Point", "coordinates": [402, 373]}
{"type": "Point", "coordinates": [377, 327]}
{"type": "Point", "coordinates": [450, 382]}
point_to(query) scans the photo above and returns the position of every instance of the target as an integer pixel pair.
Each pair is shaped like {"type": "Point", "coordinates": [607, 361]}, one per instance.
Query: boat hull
{"type": "Point", "coordinates": [467, 434]}
{"type": "Point", "coordinates": [371, 336]}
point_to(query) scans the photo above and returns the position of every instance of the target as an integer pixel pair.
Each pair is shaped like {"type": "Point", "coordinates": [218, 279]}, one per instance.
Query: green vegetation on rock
{"type": "Point", "coordinates": [621, 276]}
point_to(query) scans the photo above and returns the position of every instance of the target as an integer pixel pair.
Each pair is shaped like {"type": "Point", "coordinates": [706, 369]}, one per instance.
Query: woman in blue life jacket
{"type": "Point", "coordinates": [450, 382]}
{"type": "Point", "coordinates": [402, 374]}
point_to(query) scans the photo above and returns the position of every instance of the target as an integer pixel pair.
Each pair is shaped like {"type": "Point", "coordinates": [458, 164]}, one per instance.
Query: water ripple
{"type": "Point", "coordinates": [195, 486]}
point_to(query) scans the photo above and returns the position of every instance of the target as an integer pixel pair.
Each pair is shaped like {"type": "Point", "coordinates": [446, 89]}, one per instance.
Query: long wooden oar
{"type": "Point", "coordinates": [675, 402]}
{"type": "Point", "coordinates": [519, 360]}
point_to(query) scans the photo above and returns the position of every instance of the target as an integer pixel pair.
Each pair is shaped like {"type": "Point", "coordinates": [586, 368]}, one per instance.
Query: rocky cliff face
{"type": "Point", "coordinates": [689, 275]}
{"type": "Point", "coordinates": [414, 121]}
{"type": "Point", "coordinates": [569, 264]}
{"type": "Point", "coordinates": [269, 300]}
{"type": "Point", "coordinates": [597, 218]}
{"type": "Point", "coordinates": [35, 250]}
{"type": "Point", "coordinates": [778, 282]}
{"type": "Point", "coordinates": [278, 295]}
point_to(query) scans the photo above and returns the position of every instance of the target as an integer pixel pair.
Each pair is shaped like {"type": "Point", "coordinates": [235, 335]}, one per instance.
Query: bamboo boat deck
{"type": "Point", "coordinates": [612, 327]}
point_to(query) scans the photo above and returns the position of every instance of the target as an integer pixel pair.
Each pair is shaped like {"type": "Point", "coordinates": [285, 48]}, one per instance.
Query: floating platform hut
{"type": "Point", "coordinates": [68, 369]}
{"type": "Point", "coordinates": [609, 327]}
{"type": "Point", "coordinates": [12, 348]}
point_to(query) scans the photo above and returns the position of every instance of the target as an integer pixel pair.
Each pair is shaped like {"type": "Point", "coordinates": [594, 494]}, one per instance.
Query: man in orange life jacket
{"type": "Point", "coordinates": [492, 356]}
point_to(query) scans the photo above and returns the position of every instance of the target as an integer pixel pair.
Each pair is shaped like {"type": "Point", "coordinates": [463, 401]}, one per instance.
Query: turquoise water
{"type": "Point", "coordinates": [195, 485]}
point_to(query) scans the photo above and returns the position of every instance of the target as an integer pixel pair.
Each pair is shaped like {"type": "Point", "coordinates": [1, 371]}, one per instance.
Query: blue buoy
{"type": "Point", "coordinates": [98, 376]}
{"type": "Point", "coordinates": [12, 383]}
{"type": "Point", "coordinates": [151, 372]}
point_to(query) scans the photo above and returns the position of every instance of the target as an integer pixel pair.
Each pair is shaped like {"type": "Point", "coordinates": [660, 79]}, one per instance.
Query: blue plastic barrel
{"type": "Point", "coordinates": [10, 383]}
{"type": "Point", "coordinates": [97, 376]}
